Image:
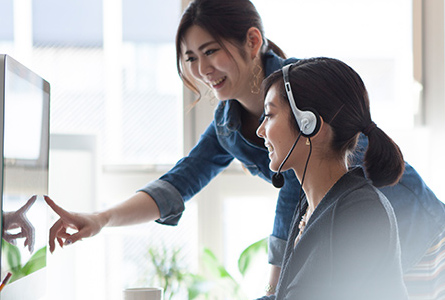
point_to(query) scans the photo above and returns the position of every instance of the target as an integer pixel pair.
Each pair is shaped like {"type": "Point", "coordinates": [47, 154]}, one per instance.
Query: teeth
{"type": "Point", "coordinates": [217, 81]}
{"type": "Point", "coordinates": [269, 148]}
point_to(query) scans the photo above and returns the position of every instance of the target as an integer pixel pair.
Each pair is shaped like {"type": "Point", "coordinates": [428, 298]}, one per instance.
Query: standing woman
{"type": "Point", "coordinates": [344, 241]}
{"type": "Point", "coordinates": [221, 43]}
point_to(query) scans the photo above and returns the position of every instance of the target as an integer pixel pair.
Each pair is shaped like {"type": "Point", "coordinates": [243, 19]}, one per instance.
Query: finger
{"type": "Point", "coordinates": [74, 238]}
{"type": "Point", "coordinates": [28, 204]}
{"type": "Point", "coordinates": [30, 244]}
{"type": "Point", "coordinates": [60, 241]}
{"type": "Point", "coordinates": [14, 235]}
{"type": "Point", "coordinates": [57, 209]}
{"type": "Point", "coordinates": [10, 239]}
{"type": "Point", "coordinates": [29, 235]}
{"type": "Point", "coordinates": [53, 232]}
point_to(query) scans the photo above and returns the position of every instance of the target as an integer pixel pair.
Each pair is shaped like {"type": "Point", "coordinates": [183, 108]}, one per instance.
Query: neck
{"type": "Point", "coordinates": [253, 106]}
{"type": "Point", "coordinates": [321, 175]}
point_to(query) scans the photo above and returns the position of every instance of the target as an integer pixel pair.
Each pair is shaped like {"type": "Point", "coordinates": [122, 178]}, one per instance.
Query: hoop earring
{"type": "Point", "coordinates": [256, 74]}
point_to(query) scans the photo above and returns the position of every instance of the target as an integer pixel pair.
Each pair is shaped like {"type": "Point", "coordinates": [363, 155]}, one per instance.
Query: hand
{"type": "Point", "coordinates": [86, 225]}
{"type": "Point", "coordinates": [18, 219]}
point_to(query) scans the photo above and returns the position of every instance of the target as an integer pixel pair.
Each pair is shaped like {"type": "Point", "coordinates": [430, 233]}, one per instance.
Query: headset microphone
{"type": "Point", "coordinates": [308, 120]}
{"type": "Point", "coordinates": [278, 178]}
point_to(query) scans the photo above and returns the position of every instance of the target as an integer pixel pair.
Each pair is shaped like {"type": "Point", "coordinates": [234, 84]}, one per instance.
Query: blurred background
{"type": "Point", "coordinates": [120, 117]}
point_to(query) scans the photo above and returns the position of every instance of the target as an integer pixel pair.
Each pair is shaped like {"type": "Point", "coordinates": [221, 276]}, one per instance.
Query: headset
{"type": "Point", "coordinates": [308, 120]}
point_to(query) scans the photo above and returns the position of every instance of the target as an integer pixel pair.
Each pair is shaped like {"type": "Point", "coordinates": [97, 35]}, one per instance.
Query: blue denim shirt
{"type": "Point", "coordinates": [420, 215]}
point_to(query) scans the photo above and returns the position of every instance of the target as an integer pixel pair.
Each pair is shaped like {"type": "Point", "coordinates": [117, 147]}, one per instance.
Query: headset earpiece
{"type": "Point", "coordinates": [310, 122]}
{"type": "Point", "coordinates": [307, 119]}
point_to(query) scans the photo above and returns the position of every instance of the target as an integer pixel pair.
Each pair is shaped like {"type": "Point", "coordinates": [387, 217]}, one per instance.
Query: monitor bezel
{"type": "Point", "coordinates": [37, 278]}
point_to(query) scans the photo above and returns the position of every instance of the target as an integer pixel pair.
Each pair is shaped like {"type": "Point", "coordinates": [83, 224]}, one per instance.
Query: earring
{"type": "Point", "coordinates": [308, 142]}
{"type": "Point", "coordinates": [256, 77]}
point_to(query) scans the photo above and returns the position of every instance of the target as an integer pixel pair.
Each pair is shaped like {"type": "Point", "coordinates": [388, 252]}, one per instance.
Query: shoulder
{"type": "Point", "coordinates": [273, 62]}
{"type": "Point", "coordinates": [355, 196]}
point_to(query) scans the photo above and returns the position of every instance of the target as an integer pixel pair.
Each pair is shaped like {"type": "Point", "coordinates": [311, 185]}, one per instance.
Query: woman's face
{"type": "Point", "coordinates": [228, 75]}
{"type": "Point", "coordinates": [276, 130]}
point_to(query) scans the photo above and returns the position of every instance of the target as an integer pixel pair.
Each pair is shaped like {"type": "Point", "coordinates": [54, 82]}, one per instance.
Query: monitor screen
{"type": "Point", "coordinates": [24, 136]}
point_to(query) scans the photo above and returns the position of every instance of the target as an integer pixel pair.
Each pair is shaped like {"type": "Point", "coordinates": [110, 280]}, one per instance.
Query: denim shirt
{"type": "Point", "coordinates": [420, 215]}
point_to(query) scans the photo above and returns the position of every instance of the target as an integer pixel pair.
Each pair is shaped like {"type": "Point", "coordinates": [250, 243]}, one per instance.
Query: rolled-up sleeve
{"type": "Point", "coordinates": [168, 199]}
{"type": "Point", "coordinates": [190, 174]}
{"type": "Point", "coordinates": [276, 250]}
{"type": "Point", "coordinates": [288, 199]}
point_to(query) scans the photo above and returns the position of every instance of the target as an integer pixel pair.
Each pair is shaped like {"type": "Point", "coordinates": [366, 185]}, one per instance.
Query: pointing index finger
{"type": "Point", "coordinates": [57, 209]}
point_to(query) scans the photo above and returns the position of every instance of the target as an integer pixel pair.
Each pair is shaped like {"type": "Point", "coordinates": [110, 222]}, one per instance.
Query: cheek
{"type": "Point", "coordinates": [193, 70]}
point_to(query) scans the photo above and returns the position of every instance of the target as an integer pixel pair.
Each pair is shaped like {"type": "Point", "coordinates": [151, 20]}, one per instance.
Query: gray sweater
{"type": "Point", "coordinates": [348, 250]}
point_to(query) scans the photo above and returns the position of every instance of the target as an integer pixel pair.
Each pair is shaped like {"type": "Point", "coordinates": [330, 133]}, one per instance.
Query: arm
{"type": "Point", "coordinates": [137, 209]}
{"type": "Point", "coordinates": [193, 172]}
{"type": "Point", "coordinates": [284, 212]}
{"type": "Point", "coordinates": [161, 200]}
{"type": "Point", "coordinates": [274, 275]}
{"type": "Point", "coordinates": [286, 205]}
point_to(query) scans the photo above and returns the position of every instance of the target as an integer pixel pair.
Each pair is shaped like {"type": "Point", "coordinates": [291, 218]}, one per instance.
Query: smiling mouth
{"type": "Point", "coordinates": [269, 148]}
{"type": "Point", "coordinates": [217, 83]}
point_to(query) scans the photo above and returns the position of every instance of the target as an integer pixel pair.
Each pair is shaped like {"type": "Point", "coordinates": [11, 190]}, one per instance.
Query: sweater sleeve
{"type": "Point", "coordinates": [193, 172]}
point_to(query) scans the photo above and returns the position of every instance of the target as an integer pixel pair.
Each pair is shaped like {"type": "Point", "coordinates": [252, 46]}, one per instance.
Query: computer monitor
{"type": "Point", "coordinates": [24, 140]}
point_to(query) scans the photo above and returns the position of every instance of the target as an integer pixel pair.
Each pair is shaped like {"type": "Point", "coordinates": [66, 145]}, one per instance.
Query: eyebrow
{"type": "Point", "coordinates": [202, 46]}
{"type": "Point", "coordinates": [269, 103]}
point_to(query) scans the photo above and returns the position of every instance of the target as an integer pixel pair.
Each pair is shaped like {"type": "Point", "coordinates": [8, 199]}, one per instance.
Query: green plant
{"type": "Point", "coordinates": [246, 258]}
{"type": "Point", "coordinates": [218, 283]}
{"type": "Point", "coordinates": [221, 283]}
{"type": "Point", "coordinates": [173, 276]}
{"type": "Point", "coordinates": [14, 260]}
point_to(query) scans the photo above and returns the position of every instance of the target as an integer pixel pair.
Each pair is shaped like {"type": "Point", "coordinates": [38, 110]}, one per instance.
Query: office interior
{"type": "Point", "coordinates": [120, 117]}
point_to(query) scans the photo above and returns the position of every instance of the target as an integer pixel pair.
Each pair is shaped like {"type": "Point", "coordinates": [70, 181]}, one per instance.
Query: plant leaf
{"type": "Point", "coordinates": [247, 255]}
{"type": "Point", "coordinates": [36, 262]}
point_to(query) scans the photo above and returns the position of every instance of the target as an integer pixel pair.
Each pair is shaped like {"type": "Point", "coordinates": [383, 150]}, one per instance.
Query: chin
{"type": "Point", "coordinates": [222, 97]}
{"type": "Point", "coordinates": [273, 167]}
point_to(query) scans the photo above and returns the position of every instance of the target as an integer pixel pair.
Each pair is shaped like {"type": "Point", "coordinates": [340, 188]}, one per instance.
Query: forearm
{"type": "Point", "coordinates": [137, 209]}
{"type": "Point", "coordinates": [273, 280]}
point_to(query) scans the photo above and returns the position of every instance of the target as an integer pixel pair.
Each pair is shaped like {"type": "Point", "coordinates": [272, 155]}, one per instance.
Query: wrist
{"type": "Point", "coordinates": [270, 289]}
{"type": "Point", "coordinates": [103, 218]}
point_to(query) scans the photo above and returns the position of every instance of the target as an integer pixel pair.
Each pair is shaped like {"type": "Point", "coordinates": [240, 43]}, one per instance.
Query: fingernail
{"type": "Point", "coordinates": [68, 242]}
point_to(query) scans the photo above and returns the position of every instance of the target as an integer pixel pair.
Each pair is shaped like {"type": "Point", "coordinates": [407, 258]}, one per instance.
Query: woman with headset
{"type": "Point", "coordinates": [344, 241]}
{"type": "Point", "coordinates": [221, 43]}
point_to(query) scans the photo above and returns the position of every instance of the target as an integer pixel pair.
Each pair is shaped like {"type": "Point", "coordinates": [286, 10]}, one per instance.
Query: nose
{"type": "Point", "coordinates": [260, 130]}
{"type": "Point", "coordinates": [205, 67]}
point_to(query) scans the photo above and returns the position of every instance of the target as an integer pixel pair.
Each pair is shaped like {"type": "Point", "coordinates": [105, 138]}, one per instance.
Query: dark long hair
{"type": "Point", "coordinates": [339, 95]}
{"type": "Point", "coordinates": [227, 20]}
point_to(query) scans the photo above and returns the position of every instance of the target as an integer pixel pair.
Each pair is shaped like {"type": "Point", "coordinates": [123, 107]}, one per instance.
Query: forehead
{"type": "Point", "coordinates": [195, 37]}
{"type": "Point", "coordinates": [273, 98]}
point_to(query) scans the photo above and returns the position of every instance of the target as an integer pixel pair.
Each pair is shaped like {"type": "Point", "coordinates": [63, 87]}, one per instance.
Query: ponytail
{"type": "Point", "coordinates": [277, 50]}
{"type": "Point", "coordinates": [338, 94]}
{"type": "Point", "coordinates": [383, 161]}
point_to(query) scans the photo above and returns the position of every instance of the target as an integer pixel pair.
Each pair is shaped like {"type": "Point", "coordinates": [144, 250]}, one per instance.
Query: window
{"type": "Point", "coordinates": [112, 70]}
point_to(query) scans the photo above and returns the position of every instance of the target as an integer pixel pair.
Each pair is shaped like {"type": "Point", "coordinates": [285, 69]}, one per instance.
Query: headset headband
{"type": "Point", "coordinates": [307, 120]}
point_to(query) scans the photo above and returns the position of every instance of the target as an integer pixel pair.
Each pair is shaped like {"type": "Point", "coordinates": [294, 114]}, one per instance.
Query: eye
{"type": "Point", "coordinates": [210, 51]}
{"type": "Point", "coordinates": [190, 59]}
{"type": "Point", "coordinates": [267, 115]}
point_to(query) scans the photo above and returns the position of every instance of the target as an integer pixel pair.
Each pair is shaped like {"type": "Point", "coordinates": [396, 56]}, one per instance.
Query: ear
{"type": "Point", "coordinates": [254, 41]}
{"type": "Point", "coordinates": [322, 131]}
